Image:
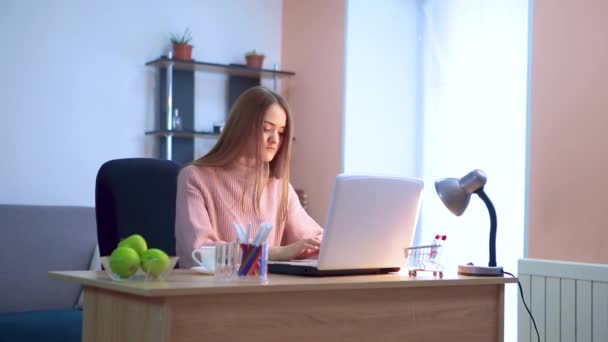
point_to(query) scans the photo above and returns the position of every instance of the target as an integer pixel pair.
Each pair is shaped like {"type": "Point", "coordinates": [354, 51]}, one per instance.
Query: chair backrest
{"type": "Point", "coordinates": [136, 196]}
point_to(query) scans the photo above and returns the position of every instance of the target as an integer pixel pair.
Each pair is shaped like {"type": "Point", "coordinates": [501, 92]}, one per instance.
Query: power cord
{"type": "Point", "coordinates": [521, 292]}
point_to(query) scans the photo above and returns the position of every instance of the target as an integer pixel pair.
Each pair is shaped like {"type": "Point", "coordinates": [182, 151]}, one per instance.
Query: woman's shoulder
{"type": "Point", "coordinates": [291, 192]}
{"type": "Point", "coordinates": [198, 171]}
{"type": "Point", "coordinates": [290, 186]}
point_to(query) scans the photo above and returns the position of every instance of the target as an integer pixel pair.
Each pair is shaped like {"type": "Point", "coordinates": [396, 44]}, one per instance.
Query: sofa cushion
{"type": "Point", "coordinates": [48, 326]}
{"type": "Point", "coordinates": [39, 239]}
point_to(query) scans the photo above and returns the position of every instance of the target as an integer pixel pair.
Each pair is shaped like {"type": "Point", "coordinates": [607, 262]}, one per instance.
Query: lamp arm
{"type": "Point", "coordinates": [493, 224]}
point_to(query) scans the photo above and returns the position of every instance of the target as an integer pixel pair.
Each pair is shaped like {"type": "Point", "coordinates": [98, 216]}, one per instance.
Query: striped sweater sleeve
{"type": "Point", "coordinates": [299, 225]}
{"type": "Point", "coordinates": [192, 224]}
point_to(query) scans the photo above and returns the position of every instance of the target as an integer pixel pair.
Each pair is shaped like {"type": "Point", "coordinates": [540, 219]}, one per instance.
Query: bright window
{"type": "Point", "coordinates": [436, 89]}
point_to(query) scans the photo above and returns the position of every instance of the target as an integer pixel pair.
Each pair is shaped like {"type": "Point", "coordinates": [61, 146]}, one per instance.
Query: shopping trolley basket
{"type": "Point", "coordinates": [426, 258]}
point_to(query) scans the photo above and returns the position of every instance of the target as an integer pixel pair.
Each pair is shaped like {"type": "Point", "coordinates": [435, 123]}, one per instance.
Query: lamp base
{"type": "Point", "coordinates": [480, 271]}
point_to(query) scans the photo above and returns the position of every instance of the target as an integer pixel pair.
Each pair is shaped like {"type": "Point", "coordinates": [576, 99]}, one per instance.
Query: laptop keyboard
{"type": "Point", "coordinates": [303, 262]}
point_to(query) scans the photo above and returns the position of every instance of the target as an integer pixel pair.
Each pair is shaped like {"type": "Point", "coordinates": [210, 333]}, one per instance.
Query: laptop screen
{"type": "Point", "coordinates": [370, 220]}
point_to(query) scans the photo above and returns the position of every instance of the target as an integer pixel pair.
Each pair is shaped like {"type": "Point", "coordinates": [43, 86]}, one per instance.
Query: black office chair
{"type": "Point", "coordinates": [136, 196]}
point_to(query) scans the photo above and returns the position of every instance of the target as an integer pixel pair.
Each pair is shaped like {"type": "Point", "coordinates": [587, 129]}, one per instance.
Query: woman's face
{"type": "Point", "coordinates": [273, 127]}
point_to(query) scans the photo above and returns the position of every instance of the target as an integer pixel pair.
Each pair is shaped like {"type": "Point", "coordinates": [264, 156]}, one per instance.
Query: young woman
{"type": "Point", "coordinates": [245, 179]}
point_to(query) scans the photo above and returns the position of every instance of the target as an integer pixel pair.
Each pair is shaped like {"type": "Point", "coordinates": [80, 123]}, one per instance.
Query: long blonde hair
{"type": "Point", "coordinates": [242, 131]}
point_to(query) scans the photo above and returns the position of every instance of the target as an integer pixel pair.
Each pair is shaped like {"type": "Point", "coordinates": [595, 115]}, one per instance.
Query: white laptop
{"type": "Point", "coordinates": [370, 220]}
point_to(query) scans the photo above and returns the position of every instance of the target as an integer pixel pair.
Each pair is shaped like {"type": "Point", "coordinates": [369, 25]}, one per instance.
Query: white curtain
{"type": "Point", "coordinates": [437, 88]}
{"type": "Point", "coordinates": [474, 57]}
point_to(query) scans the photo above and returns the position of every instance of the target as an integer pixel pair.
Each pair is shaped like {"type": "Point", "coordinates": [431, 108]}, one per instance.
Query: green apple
{"type": "Point", "coordinates": [154, 261]}
{"type": "Point", "coordinates": [124, 262]}
{"type": "Point", "coordinates": [136, 242]}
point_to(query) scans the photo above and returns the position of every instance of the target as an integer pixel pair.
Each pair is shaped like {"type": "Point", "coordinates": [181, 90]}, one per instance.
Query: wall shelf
{"type": "Point", "coordinates": [229, 69]}
{"type": "Point", "coordinates": [182, 134]}
{"type": "Point", "coordinates": [176, 82]}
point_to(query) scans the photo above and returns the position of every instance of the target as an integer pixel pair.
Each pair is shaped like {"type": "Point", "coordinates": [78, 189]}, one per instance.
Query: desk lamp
{"type": "Point", "coordinates": [455, 194]}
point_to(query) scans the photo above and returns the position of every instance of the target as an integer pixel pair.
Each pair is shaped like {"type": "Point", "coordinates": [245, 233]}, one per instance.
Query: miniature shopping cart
{"type": "Point", "coordinates": [426, 258]}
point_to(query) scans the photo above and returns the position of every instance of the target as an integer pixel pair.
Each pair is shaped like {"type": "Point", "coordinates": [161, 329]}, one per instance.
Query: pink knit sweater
{"type": "Point", "coordinates": [209, 202]}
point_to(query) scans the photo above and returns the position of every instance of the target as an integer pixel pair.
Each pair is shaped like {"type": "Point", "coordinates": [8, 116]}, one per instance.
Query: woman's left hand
{"type": "Point", "coordinates": [304, 248]}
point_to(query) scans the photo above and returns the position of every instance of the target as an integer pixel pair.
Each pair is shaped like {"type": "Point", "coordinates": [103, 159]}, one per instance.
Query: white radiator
{"type": "Point", "coordinates": [569, 301]}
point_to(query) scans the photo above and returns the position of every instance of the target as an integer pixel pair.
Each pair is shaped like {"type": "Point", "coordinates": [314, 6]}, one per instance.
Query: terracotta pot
{"type": "Point", "coordinates": [182, 52]}
{"type": "Point", "coordinates": [255, 61]}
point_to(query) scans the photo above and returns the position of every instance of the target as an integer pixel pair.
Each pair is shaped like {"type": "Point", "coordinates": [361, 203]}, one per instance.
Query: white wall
{"type": "Point", "coordinates": [75, 92]}
{"type": "Point", "coordinates": [381, 125]}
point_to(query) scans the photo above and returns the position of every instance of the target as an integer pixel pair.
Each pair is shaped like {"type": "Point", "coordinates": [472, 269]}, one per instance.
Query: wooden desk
{"type": "Point", "coordinates": [379, 308]}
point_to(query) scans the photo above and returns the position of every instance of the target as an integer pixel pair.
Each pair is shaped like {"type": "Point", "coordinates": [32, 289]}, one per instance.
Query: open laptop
{"type": "Point", "coordinates": [370, 220]}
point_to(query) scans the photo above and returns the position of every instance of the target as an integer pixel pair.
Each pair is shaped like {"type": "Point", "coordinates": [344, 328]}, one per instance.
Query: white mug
{"type": "Point", "coordinates": [204, 256]}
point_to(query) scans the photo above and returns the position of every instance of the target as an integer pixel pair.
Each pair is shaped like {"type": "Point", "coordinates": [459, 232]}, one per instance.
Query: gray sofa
{"type": "Point", "coordinates": [36, 240]}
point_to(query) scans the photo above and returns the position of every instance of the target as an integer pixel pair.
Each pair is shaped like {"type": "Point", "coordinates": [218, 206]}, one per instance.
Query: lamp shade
{"type": "Point", "coordinates": [456, 193]}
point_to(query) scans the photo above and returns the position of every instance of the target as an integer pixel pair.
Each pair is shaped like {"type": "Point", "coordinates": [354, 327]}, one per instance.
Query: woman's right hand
{"type": "Point", "coordinates": [308, 247]}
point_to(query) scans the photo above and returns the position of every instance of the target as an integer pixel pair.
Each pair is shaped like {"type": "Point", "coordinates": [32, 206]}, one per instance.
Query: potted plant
{"type": "Point", "coordinates": [254, 59]}
{"type": "Point", "coordinates": [182, 50]}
